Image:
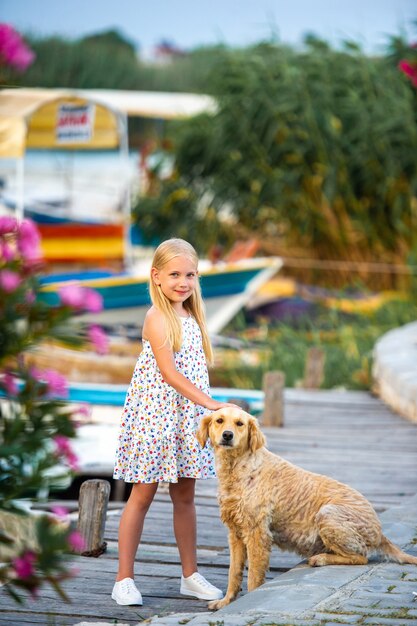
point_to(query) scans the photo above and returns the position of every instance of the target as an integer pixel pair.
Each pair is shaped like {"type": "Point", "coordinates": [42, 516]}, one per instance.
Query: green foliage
{"type": "Point", "coordinates": [112, 40]}
{"type": "Point", "coordinates": [347, 341]}
{"type": "Point", "coordinates": [31, 569]}
{"type": "Point", "coordinates": [84, 64]}
{"type": "Point", "coordinates": [172, 213]}
{"type": "Point", "coordinates": [317, 149]}
{"type": "Point", "coordinates": [108, 61]}
{"type": "Point", "coordinates": [189, 73]}
{"type": "Point", "coordinates": [35, 428]}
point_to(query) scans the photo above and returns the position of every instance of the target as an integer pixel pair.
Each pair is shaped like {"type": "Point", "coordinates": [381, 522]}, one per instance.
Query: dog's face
{"type": "Point", "coordinates": [231, 429]}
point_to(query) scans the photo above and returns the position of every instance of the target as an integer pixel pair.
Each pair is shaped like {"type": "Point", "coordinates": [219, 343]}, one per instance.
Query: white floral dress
{"type": "Point", "coordinates": [157, 440]}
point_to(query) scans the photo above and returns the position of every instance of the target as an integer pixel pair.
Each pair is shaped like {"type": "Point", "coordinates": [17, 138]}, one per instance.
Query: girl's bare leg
{"type": "Point", "coordinates": [185, 525]}
{"type": "Point", "coordinates": [131, 526]}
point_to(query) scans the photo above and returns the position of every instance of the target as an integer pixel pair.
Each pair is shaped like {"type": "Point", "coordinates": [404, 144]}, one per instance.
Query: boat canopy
{"type": "Point", "coordinates": [52, 118]}
{"type": "Point", "coordinates": [83, 119]}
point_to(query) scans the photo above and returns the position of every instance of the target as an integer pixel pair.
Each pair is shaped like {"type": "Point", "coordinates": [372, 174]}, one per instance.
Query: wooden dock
{"type": "Point", "coordinates": [348, 435]}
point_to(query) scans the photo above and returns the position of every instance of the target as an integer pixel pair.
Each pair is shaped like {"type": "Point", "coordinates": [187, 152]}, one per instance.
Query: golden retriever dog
{"type": "Point", "coordinates": [266, 500]}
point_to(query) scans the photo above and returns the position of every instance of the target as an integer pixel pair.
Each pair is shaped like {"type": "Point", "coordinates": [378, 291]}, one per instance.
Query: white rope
{"type": "Point", "coordinates": [379, 268]}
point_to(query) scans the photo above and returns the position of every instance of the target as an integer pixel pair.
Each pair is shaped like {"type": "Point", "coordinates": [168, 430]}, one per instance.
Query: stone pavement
{"type": "Point", "coordinates": [378, 593]}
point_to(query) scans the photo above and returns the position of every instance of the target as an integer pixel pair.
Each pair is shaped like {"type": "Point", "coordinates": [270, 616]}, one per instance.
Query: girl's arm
{"type": "Point", "coordinates": [154, 332]}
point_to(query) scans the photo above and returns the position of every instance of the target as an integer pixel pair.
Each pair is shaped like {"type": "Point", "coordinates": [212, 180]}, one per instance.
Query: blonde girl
{"type": "Point", "coordinates": [168, 395]}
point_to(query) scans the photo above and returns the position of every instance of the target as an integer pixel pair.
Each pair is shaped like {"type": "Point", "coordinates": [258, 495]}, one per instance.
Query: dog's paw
{"type": "Point", "coordinates": [318, 560]}
{"type": "Point", "coordinates": [215, 605]}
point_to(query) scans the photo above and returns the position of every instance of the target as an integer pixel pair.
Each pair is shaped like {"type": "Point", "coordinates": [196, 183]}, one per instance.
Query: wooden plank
{"type": "Point", "coordinates": [32, 619]}
{"type": "Point", "coordinates": [326, 396]}
{"type": "Point", "coordinates": [161, 554]}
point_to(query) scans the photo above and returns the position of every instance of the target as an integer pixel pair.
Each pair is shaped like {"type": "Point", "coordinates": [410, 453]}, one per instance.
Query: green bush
{"type": "Point", "coordinates": [347, 342]}
{"type": "Point", "coordinates": [36, 424]}
{"type": "Point", "coordinates": [314, 150]}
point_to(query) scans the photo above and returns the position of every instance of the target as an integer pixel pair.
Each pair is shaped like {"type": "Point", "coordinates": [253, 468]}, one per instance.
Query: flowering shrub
{"type": "Point", "coordinates": [409, 68]}
{"type": "Point", "coordinates": [36, 426]}
{"type": "Point", "coordinates": [406, 55]}
{"type": "Point", "coordinates": [15, 55]}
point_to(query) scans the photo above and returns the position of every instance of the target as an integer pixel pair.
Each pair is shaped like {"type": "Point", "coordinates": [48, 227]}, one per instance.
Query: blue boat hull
{"type": "Point", "coordinates": [114, 395]}
{"type": "Point", "coordinates": [124, 291]}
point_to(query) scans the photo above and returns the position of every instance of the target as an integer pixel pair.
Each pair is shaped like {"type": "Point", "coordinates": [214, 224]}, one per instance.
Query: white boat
{"type": "Point", "coordinates": [226, 288]}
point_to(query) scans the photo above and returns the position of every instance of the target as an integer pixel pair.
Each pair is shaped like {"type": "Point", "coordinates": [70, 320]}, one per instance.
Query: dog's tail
{"type": "Point", "coordinates": [394, 553]}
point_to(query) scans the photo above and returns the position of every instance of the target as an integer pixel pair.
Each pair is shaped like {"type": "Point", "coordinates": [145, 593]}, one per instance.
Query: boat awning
{"type": "Point", "coordinates": [52, 118]}
{"type": "Point", "coordinates": [82, 119]}
{"type": "Point", "coordinates": [154, 104]}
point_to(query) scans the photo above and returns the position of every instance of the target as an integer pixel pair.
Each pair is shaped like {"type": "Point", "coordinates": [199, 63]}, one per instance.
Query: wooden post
{"type": "Point", "coordinates": [93, 500]}
{"type": "Point", "coordinates": [273, 386]}
{"type": "Point", "coordinates": [314, 368]}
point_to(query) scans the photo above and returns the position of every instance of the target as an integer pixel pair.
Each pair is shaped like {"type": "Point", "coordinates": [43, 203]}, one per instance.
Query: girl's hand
{"type": "Point", "coordinates": [213, 405]}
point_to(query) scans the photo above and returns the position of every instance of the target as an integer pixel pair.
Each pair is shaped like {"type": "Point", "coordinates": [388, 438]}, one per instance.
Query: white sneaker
{"type": "Point", "coordinates": [125, 592]}
{"type": "Point", "coordinates": [198, 587]}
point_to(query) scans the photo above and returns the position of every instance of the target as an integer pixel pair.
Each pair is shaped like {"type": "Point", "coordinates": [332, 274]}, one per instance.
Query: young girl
{"type": "Point", "coordinates": [167, 396]}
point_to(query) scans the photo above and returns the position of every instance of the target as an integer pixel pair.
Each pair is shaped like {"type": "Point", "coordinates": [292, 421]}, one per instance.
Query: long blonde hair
{"type": "Point", "coordinates": [166, 251]}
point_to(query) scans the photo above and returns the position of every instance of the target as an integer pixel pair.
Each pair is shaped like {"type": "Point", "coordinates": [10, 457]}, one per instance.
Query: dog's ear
{"type": "Point", "coordinates": [256, 437]}
{"type": "Point", "coordinates": [202, 433]}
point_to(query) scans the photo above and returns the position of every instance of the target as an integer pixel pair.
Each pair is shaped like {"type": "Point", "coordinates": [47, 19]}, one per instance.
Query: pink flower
{"type": "Point", "coordinates": [409, 69]}
{"type": "Point", "coordinates": [7, 253]}
{"type": "Point", "coordinates": [72, 296]}
{"type": "Point", "coordinates": [9, 382]}
{"type": "Point", "coordinates": [76, 541]}
{"type": "Point", "coordinates": [36, 373]}
{"type": "Point", "coordinates": [55, 382]}
{"type": "Point", "coordinates": [29, 240]}
{"type": "Point", "coordinates": [9, 281]}
{"type": "Point", "coordinates": [60, 511]}
{"type": "Point", "coordinates": [63, 449]}
{"type": "Point", "coordinates": [84, 410]}
{"type": "Point", "coordinates": [80, 415]}
{"type": "Point", "coordinates": [62, 444]}
{"type": "Point", "coordinates": [73, 462]}
{"type": "Point", "coordinates": [24, 565]}
{"type": "Point", "coordinates": [81, 298]}
{"type": "Point", "coordinates": [98, 338]}
{"type": "Point", "coordinates": [93, 301]}
{"type": "Point", "coordinates": [13, 50]}
{"type": "Point", "coordinates": [8, 224]}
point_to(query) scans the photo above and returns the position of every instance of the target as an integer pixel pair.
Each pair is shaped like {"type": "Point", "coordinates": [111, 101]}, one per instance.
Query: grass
{"type": "Point", "coordinates": [346, 339]}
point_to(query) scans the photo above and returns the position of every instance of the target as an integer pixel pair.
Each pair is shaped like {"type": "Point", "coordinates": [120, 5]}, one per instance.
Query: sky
{"type": "Point", "coordinates": [192, 23]}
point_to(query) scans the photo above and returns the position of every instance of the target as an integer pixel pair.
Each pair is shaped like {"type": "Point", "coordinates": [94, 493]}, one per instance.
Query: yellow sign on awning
{"type": "Point", "coordinates": [54, 119]}
{"type": "Point", "coordinates": [50, 126]}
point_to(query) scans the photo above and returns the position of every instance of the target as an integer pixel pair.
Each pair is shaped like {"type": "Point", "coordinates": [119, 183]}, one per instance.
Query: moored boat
{"type": "Point", "coordinates": [226, 288]}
